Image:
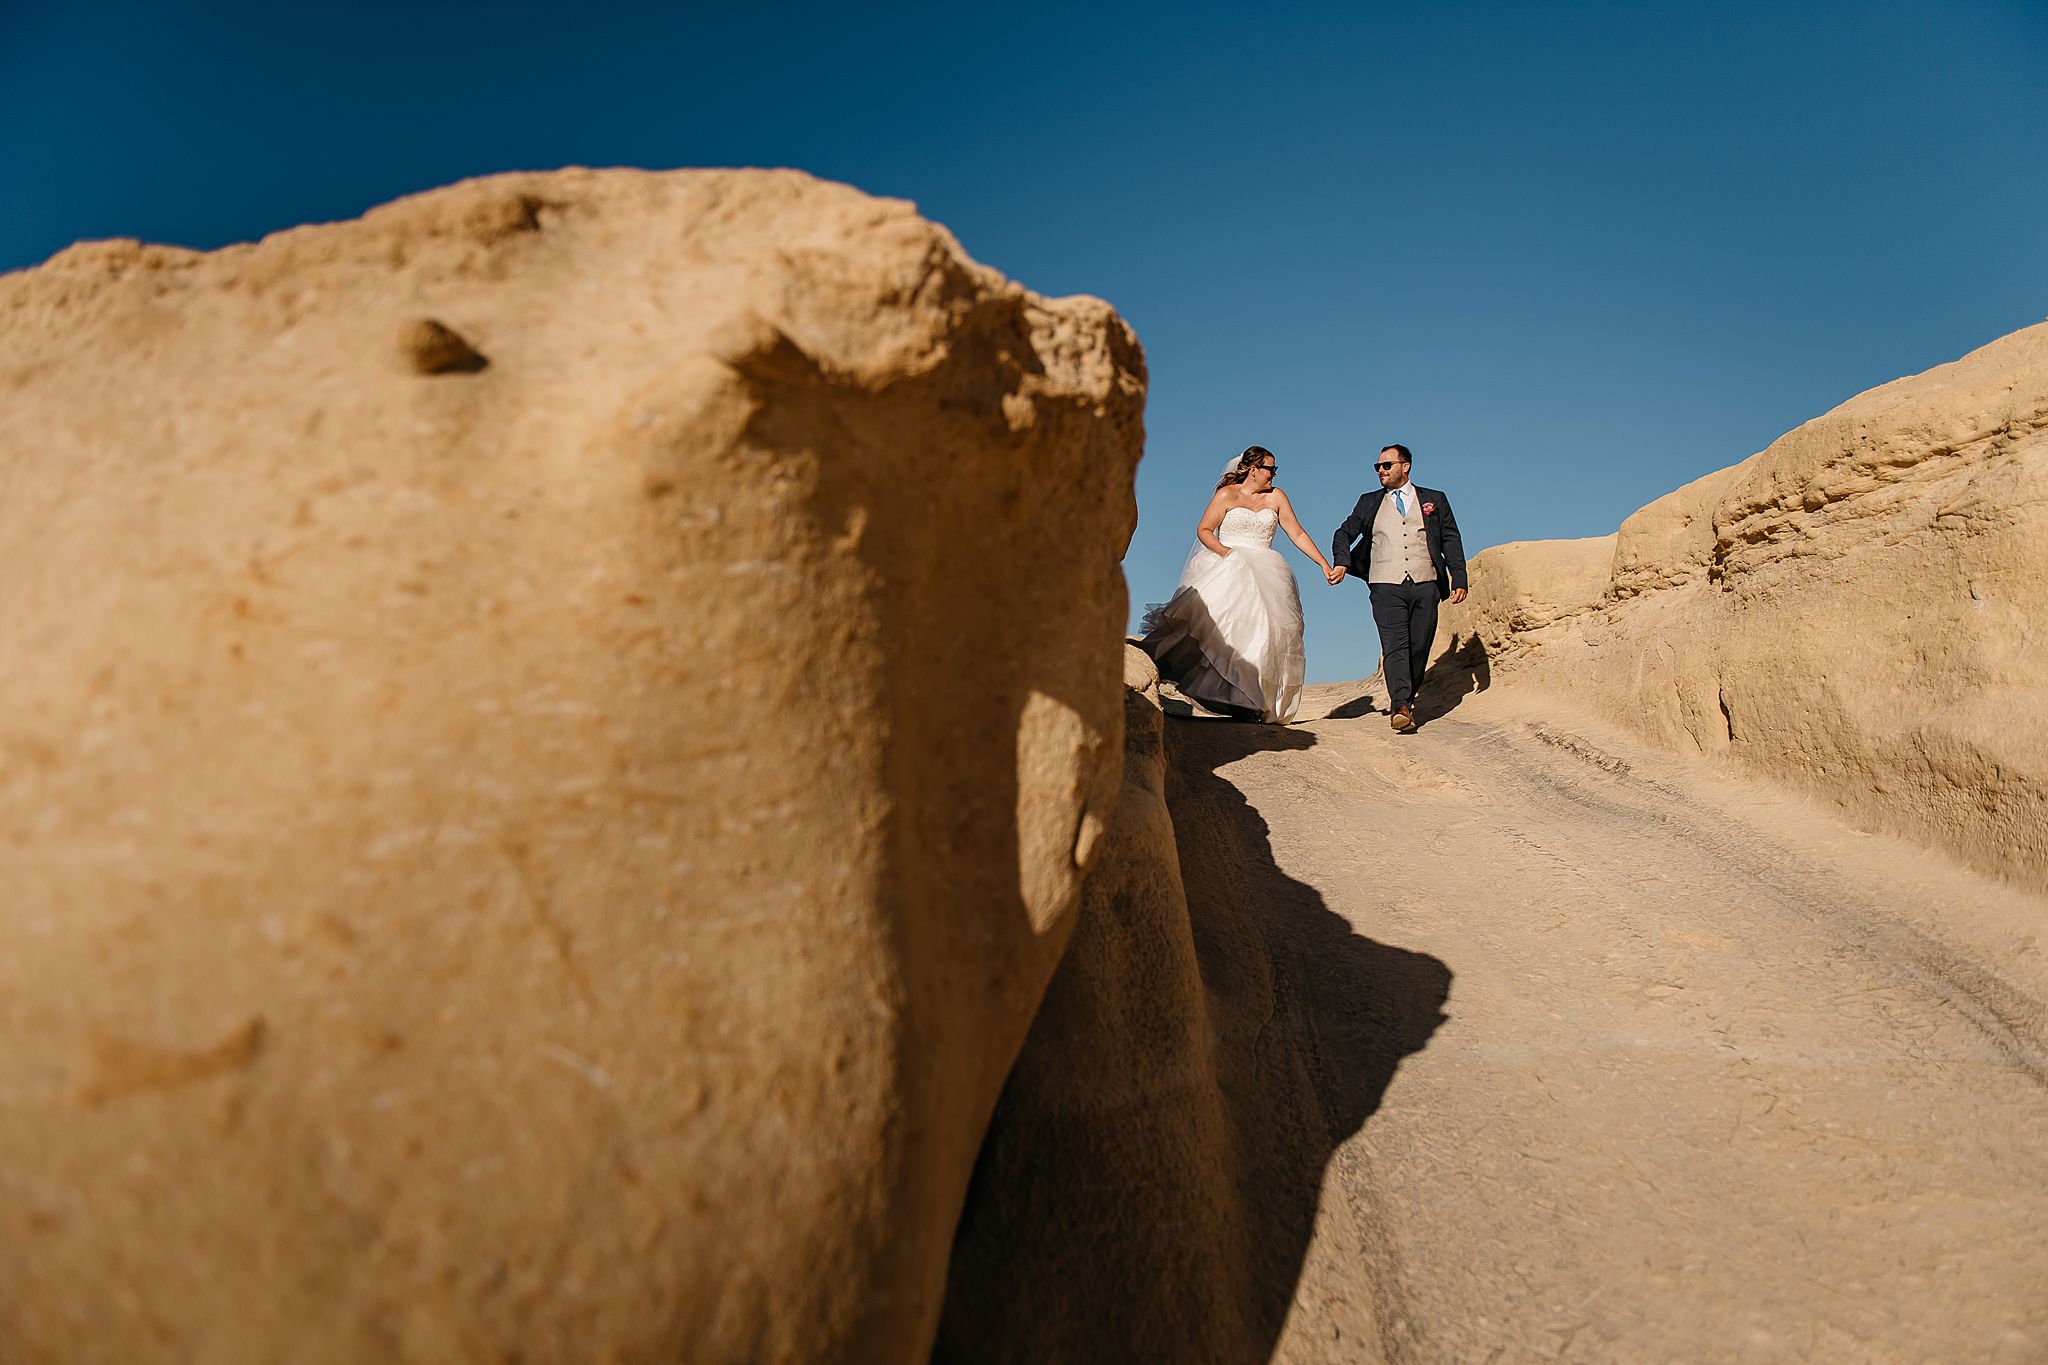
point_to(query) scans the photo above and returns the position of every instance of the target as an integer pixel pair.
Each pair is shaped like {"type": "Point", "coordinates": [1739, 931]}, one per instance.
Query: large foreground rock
{"type": "Point", "coordinates": [537, 803]}
{"type": "Point", "coordinates": [1858, 610]}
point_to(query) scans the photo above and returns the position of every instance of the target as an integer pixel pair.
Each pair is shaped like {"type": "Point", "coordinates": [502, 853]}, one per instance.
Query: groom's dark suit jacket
{"type": "Point", "coordinates": [1445, 548]}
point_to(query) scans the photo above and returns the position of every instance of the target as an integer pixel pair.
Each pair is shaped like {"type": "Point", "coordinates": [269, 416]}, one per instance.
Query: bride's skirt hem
{"type": "Point", "coordinates": [1224, 610]}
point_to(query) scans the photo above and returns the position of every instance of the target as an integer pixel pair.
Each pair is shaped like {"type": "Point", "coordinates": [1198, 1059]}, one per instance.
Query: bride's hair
{"type": "Point", "coordinates": [1241, 468]}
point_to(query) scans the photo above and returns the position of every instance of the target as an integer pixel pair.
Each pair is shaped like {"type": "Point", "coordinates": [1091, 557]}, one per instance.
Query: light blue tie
{"type": "Point", "coordinates": [1400, 503]}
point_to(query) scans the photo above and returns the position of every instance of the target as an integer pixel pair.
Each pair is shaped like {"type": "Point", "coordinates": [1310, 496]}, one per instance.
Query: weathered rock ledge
{"type": "Point", "coordinates": [1858, 610]}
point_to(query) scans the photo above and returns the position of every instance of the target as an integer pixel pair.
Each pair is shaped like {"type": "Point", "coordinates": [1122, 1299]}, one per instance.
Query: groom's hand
{"type": "Point", "coordinates": [1335, 573]}
{"type": "Point", "coordinates": [1457, 596]}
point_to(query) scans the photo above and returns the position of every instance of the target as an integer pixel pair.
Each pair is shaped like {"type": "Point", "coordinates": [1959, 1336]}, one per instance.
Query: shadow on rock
{"type": "Point", "coordinates": [1461, 670]}
{"type": "Point", "coordinates": [1148, 1189]}
{"type": "Point", "coordinates": [1360, 705]}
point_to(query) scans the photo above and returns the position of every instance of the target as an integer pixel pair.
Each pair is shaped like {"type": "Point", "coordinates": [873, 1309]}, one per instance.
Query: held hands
{"type": "Point", "coordinates": [1333, 573]}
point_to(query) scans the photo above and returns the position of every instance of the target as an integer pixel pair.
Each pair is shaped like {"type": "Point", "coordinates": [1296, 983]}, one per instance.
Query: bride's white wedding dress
{"type": "Point", "coordinates": [1230, 637]}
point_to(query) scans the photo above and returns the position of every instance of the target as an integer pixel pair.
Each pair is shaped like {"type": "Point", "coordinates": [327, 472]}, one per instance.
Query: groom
{"type": "Point", "coordinates": [1411, 557]}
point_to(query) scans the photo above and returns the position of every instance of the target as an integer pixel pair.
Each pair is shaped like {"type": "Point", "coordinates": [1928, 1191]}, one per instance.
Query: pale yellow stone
{"type": "Point", "coordinates": [549, 858]}
{"type": "Point", "coordinates": [1860, 611]}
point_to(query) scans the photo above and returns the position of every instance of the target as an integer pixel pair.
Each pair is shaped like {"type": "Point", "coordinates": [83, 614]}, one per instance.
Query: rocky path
{"type": "Point", "coordinates": [1718, 1078]}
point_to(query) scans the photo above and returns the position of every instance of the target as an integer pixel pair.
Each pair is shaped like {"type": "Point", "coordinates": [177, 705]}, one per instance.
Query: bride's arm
{"type": "Point", "coordinates": [1292, 525]}
{"type": "Point", "coordinates": [1205, 529]}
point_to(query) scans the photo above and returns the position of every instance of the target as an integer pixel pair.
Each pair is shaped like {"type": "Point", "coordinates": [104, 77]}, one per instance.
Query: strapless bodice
{"type": "Point", "coordinates": [1248, 526]}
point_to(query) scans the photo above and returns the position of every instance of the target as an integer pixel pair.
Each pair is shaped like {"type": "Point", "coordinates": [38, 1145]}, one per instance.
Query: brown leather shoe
{"type": "Point", "coordinates": [1404, 719]}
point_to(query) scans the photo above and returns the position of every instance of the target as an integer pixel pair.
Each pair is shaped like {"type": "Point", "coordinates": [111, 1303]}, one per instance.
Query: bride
{"type": "Point", "coordinates": [1230, 637]}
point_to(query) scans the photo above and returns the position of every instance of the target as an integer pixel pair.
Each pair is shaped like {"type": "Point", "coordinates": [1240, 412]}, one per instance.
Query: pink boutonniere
{"type": "Point", "coordinates": [1429, 509]}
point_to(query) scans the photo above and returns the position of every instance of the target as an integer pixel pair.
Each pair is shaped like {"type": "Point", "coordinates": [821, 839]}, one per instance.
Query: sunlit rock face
{"type": "Point", "coordinates": [1859, 610]}
{"type": "Point", "coordinates": [549, 741]}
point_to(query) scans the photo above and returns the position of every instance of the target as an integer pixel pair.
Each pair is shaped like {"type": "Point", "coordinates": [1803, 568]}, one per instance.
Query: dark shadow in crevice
{"type": "Point", "coordinates": [1313, 1045]}
{"type": "Point", "coordinates": [1464, 668]}
{"type": "Point", "coordinates": [1150, 1185]}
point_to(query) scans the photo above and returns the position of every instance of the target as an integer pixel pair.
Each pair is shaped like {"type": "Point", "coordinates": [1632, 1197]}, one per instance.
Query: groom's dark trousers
{"type": "Point", "coordinates": [1404, 612]}
{"type": "Point", "coordinates": [1406, 616]}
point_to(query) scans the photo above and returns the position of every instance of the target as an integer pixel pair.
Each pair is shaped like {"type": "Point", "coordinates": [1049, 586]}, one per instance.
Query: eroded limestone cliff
{"type": "Point", "coordinates": [1858, 610]}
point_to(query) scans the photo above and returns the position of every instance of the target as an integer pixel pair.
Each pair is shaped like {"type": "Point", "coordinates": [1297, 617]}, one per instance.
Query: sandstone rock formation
{"type": "Point", "coordinates": [1152, 1185]}
{"type": "Point", "coordinates": [1858, 610]}
{"type": "Point", "coordinates": [535, 811]}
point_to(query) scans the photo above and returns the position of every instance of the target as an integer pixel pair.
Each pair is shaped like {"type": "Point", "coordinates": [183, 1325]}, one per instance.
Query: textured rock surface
{"type": "Point", "coordinates": [520, 838]}
{"type": "Point", "coordinates": [1858, 610]}
{"type": "Point", "coordinates": [1153, 1187]}
{"type": "Point", "coordinates": [1698, 1032]}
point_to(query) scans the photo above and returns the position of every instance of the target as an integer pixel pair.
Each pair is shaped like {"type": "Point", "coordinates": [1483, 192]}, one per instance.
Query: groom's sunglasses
{"type": "Point", "coordinates": [1384, 465]}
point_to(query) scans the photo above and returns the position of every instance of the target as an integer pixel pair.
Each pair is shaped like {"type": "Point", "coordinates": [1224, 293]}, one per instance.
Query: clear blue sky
{"type": "Point", "coordinates": [1574, 254]}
